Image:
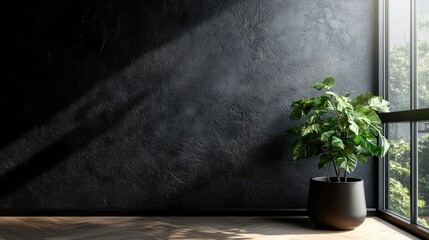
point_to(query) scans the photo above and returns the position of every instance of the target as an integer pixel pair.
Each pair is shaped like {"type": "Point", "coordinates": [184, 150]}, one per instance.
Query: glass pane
{"type": "Point", "coordinates": [423, 54]}
{"type": "Point", "coordinates": [423, 175]}
{"type": "Point", "coordinates": [399, 54]}
{"type": "Point", "coordinates": [399, 169]}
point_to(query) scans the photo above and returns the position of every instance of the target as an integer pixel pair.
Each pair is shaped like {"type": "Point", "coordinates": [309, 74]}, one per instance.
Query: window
{"type": "Point", "coordinates": [404, 81]}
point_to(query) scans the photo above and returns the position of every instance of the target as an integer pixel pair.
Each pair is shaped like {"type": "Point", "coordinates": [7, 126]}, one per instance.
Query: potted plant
{"type": "Point", "coordinates": [341, 131]}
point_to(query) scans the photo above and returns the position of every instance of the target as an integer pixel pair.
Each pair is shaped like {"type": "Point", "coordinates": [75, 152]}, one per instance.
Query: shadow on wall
{"type": "Point", "coordinates": [54, 52]}
{"type": "Point", "coordinates": [76, 139]}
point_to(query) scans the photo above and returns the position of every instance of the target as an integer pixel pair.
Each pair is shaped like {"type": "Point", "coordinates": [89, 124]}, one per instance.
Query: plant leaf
{"type": "Point", "coordinates": [351, 163]}
{"type": "Point", "coordinates": [296, 114]}
{"type": "Point", "coordinates": [385, 145]}
{"type": "Point", "coordinates": [350, 147]}
{"type": "Point", "coordinates": [341, 162]}
{"type": "Point", "coordinates": [362, 99]}
{"type": "Point", "coordinates": [326, 135]}
{"type": "Point", "coordinates": [310, 129]}
{"type": "Point", "coordinates": [319, 86]}
{"type": "Point", "coordinates": [379, 104]}
{"type": "Point", "coordinates": [303, 148]}
{"type": "Point", "coordinates": [371, 139]}
{"type": "Point", "coordinates": [358, 139]}
{"type": "Point", "coordinates": [301, 108]}
{"type": "Point", "coordinates": [293, 131]}
{"type": "Point", "coordinates": [340, 106]}
{"type": "Point", "coordinates": [373, 117]}
{"type": "Point", "coordinates": [329, 82]}
{"type": "Point", "coordinates": [369, 143]}
{"type": "Point", "coordinates": [321, 105]}
{"type": "Point", "coordinates": [331, 93]}
{"type": "Point", "coordinates": [353, 126]}
{"type": "Point", "coordinates": [337, 143]}
{"type": "Point", "coordinates": [362, 158]}
{"type": "Point", "coordinates": [323, 160]}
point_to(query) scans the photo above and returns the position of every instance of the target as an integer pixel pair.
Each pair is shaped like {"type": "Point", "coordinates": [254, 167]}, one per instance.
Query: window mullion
{"type": "Point", "coordinates": [385, 60]}
{"type": "Point", "coordinates": [385, 174]}
{"type": "Point", "coordinates": [413, 56]}
{"type": "Point", "coordinates": [413, 124]}
{"type": "Point", "coordinates": [413, 174]}
{"type": "Point", "coordinates": [383, 46]}
{"type": "Point", "coordinates": [382, 73]}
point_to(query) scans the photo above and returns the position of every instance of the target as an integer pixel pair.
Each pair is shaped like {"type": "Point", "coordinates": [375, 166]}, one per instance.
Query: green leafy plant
{"type": "Point", "coordinates": [339, 129]}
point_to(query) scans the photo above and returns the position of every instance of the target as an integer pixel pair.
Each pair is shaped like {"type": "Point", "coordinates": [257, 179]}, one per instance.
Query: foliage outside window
{"type": "Point", "coordinates": [400, 176]}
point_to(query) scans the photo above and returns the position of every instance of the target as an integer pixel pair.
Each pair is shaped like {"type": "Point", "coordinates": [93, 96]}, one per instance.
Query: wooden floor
{"type": "Point", "coordinates": [187, 228]}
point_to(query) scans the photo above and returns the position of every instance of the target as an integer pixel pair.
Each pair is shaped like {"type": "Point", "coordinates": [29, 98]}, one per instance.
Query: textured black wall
{"type": "Point", "coordinates": [169, 104]}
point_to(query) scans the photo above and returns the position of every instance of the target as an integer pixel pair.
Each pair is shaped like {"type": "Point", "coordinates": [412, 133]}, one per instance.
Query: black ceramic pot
{"type": "Point", "coordinates": [339, 205]}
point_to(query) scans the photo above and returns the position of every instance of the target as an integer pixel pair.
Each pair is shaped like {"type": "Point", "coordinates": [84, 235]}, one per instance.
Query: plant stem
{"type": "Point", "coordinates": [345, 176]}
{"type": "Point", "coordinates": [339, 175]}
{"type": "Point", "coordinates": [337, 172]}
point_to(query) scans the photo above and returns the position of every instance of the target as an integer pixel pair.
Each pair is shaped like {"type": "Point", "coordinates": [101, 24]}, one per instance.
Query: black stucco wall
{"type": "Point", "coordinates": [169, 104]}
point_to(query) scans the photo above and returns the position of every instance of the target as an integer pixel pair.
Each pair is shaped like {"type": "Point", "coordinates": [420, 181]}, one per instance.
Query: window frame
{"type": "Point", "coordinates": [412, 116]}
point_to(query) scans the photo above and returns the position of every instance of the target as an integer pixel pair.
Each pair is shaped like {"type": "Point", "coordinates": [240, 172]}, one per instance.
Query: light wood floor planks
{"type": "Point", "coordinates": [187, 228]}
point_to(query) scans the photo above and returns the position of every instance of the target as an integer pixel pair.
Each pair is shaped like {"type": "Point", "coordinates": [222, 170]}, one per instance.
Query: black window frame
{"type": "Point", "coordinates": [412, 116]}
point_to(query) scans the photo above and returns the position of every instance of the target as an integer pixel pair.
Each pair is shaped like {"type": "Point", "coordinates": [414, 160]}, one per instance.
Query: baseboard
{"type": "Point", "coordinates": [182, 212]}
